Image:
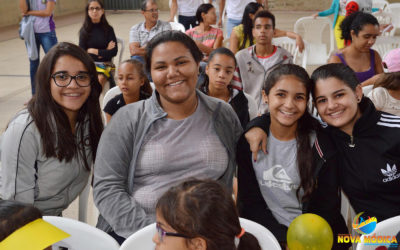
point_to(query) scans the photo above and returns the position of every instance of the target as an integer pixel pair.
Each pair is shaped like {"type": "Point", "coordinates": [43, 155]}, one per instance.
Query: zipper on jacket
{"type": "Point", "coordinates": [352, 144]}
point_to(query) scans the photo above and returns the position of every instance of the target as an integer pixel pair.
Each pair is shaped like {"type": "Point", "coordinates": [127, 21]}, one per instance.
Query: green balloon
{"type": "Point", "coordinates": [309, 232]}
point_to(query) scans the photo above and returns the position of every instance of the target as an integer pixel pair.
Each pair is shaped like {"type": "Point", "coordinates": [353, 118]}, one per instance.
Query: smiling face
{"type": "Point", "coordinates": [287, 101]}
{"type": "Point", "coordinates": [72, 97]}
{"type": "Point", "coordinates": [150, 14]}
{"type": "Point", "coordinates": [95, 11]}
{"type": "Point", "coordinates": [129, 79]}
{"type": "Point", "coordinates": [174, 72]}
{"type": "Point", "coordinates": [366, 37]}
{"type": "Point", "coordinates": [337, 103]}
{"type": "Point", "coordinates": [263, 30]}
{"type": "Point", "coordinates": [220, 71]}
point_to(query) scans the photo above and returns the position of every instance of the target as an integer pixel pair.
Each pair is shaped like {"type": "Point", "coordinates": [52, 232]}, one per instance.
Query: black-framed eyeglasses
{"type": "Point", "coordinates": [63, 79]}
{"type": "Point", "coordinates": [152, 10]}
{"type": "Point", "coordinates": [95, 9]}
{"type": "Point", "coordinates": [162, 233]}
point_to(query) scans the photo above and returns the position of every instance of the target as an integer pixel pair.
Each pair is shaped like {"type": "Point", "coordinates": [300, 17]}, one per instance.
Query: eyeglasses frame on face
{"type": "Point", "coordinates": [95, 8]}
{"type": "Point", "coordinates": [53, 76]}
{"type": "Point", "coordinates": [162, 233]}
{"type": "Point", "coordinates": [152, 10]}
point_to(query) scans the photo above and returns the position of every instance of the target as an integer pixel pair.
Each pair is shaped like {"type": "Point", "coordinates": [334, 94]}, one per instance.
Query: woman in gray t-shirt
{"type": "Point", "coordinates": [152, 145]}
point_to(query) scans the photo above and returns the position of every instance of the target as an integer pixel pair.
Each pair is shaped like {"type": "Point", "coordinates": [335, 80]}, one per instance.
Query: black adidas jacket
{"type": "Point", "coordinates": [369, 160]}
{"type": "Point", "coordinates": [325, 200]}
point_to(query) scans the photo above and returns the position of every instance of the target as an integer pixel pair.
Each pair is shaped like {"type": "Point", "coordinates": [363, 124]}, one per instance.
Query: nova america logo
{"type": "Point", "coordinates": [390, 173]}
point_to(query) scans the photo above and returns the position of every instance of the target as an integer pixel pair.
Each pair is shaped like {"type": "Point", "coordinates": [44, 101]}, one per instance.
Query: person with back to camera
{"type": "Point", "coordinates": [154, 144]}
{"type": "Point", "coordinates": [255, 62]}
{"type": "Point", "coordinates": [281, 185]}
{"type": "Point", "coordinates": [97, 37]}
{"type": "Point", "coordinates": [362, 30]}
{"type": "Point", "coordinates": [242, 37]}
{"type": "Point", "coordinates": [48, 149]}
{"type": "Point", "coordinates": [367, 140]}
{"type": "Point", "coordinates": [133, 84]}
{"type": "Point", "coordinates": [186, 10]}
{"type": "Point", "coordinates": [43, 28]}
{"type": "Point", "coordinates": [234, 12]}
{"type": "Point", "coordinates": [386, 91]}
{"type": "Point", "coordinates": [200, 215]}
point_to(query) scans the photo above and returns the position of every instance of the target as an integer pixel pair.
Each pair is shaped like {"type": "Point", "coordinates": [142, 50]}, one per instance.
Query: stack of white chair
{"type": "Point", "coordinates": [384, 44]}
{"type": "Point", "coordinates": [83, 236]}
{"type": "Point", "coordinates": [394, 10]}
{"type": "Point", "coordinates": [312, 30]}
{"type": "Point", "coordinates": [290, 45]}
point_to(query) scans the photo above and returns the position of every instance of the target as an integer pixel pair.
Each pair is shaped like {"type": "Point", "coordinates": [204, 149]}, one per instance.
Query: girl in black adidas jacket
{"type": "Point", "coordinates": [368, 141]}
{"type": "Point", "coordinates": [288, 182]}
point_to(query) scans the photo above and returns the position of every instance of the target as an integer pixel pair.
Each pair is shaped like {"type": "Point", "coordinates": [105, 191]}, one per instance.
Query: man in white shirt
{"type": "Point", "coordinates": [234, 12]}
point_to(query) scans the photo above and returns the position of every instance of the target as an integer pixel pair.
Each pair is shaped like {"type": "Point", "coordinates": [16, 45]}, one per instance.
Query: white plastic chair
{"type": "Point", "coordinates": [177, 26]}
{"type": "Point", "coordinates": [83, 236]}
{"type": "Point", "coordinates": [290, 45]}
{"type": "Point", "coordinates": [312, 31]}
{"type": "Point", "coordinates": [142, 239]}
{"type": "Point", "coordinates": [121, 48]}
{"type": "Point", "coordinates": [83, 202]}
{"type": "Point", "coordinates": [389, 227]}
{"type": "Point", "coordinates": [111, 93]}
{"type": "Point", "coordinates": [384, 44]}
{"type": "Point", "coordinates": [394, 10]}
{"type": "Point", "coordinates": [265, 238]}
{"type": "Point", "coordinates": [380, 4]}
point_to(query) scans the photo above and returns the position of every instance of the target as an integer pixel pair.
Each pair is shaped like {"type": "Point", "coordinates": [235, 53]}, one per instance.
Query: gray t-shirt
{"type": "Point", "coordinates": [278, 177]}
{"type": "Point", "coordinates": [174, 150]}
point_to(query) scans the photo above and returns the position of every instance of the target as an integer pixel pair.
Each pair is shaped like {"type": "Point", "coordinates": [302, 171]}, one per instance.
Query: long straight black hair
{"type": "Point", "coordinates": [87, 26]}
{"type": "Point", "coordinates": [49, 117]}
{"type": "Point", "coordinates": [305, 126]}
{"type": "Point", "coordinates": [251, 8]}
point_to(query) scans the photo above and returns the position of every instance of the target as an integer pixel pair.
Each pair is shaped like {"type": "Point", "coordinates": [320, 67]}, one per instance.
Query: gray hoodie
{"type": "Point", "coordinates": [118, 150]}
{"type": "Point", "coordinates": [27, 175]}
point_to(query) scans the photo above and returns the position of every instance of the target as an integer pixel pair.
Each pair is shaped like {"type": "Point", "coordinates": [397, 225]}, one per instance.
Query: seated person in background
{"type": "Point", "coordinates": [219, 73]}
{"type": "Point", "coordinates": [242, 36]}
{"type": "Point", "coordinates": [133, 84]}
{"type": "Point", "coordinates": [206, 37]}
{"type": "Point", "coordinates": [186, 12]}
{"type": "Point", "coordinates": [386, 92]}
{"type": "Point", "coordinates": [200, 215]}
{"type": "Point", "coordinates": [361, 29]}
{"type": "Point", "coordinates": [97, 37]}
{"type": "Point", "coordinates": [140, 34]}
{"type": "Point", "coordinates": [18, 221]}
{"type": "Point", "coordinates": [255, 62]}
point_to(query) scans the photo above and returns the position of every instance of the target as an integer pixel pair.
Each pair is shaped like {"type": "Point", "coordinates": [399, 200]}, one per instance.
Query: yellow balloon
{"type": "Point", "coordinates": [309, 232]}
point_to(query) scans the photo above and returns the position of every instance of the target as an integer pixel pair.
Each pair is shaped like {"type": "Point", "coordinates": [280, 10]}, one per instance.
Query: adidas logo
{"type": "Point", "coordinates": [390, 173]}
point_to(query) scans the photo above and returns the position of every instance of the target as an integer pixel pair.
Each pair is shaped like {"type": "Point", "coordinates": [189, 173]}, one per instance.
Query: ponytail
{"type": "Point", "coordinates": [248, 242]}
